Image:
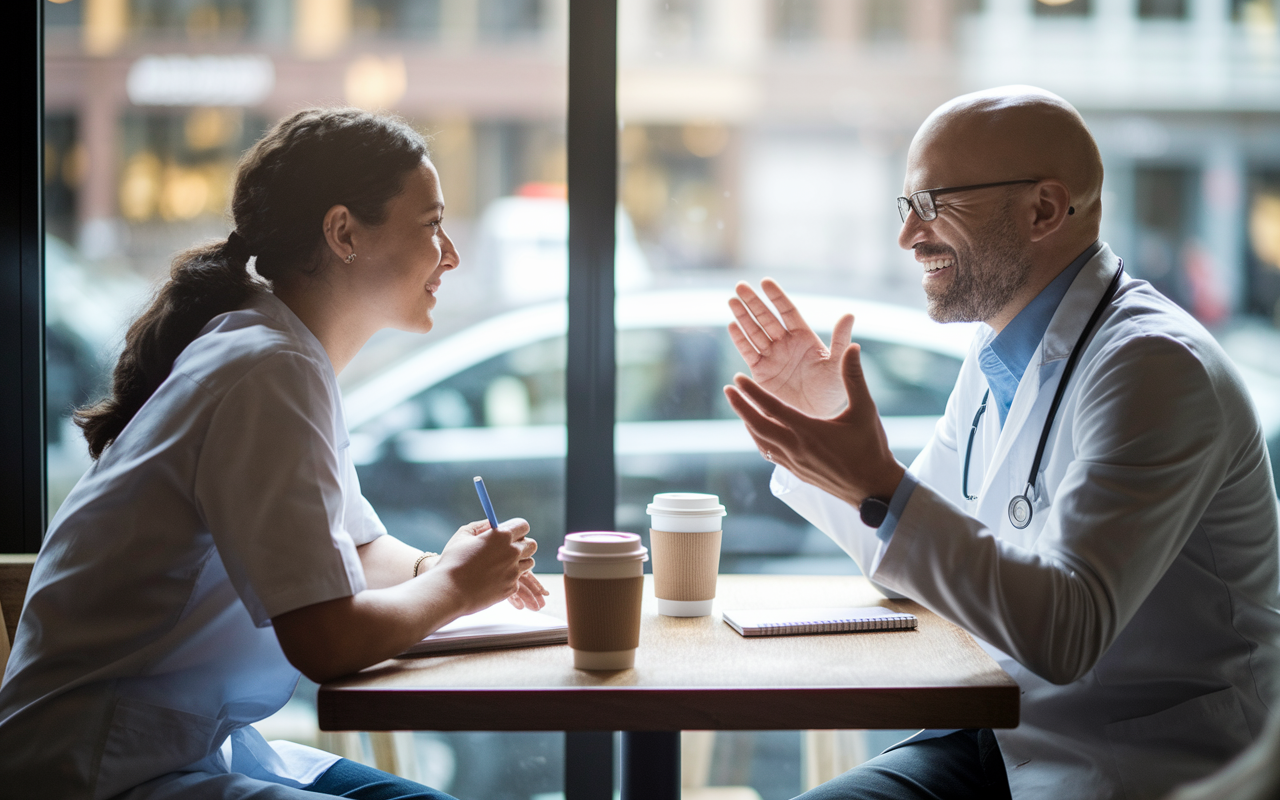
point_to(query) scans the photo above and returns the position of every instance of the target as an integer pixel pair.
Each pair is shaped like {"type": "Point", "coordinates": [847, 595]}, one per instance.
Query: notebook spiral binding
{"type": "Point", "coordinates": [896, 623]}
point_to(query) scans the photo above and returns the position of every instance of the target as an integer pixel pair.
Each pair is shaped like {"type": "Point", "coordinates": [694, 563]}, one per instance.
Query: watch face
{"type": "Point", "coordinates": [873, 511]}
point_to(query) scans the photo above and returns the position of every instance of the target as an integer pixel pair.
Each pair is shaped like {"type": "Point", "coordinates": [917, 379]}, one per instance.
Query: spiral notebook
{"type": "Point", "coordinates": [790, 621]}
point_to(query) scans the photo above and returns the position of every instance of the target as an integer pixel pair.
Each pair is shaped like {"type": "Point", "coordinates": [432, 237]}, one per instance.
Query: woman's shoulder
{"type": "Point", "coordinates": [262, 337]}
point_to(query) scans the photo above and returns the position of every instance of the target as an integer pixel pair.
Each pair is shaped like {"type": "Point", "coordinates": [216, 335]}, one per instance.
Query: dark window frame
{"type": "Point", "coordinates": [22, 430]}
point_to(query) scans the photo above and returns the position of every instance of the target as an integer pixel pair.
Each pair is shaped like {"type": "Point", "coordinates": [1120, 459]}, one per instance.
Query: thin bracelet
{"type": "Point", "coordinates": [418, 564]}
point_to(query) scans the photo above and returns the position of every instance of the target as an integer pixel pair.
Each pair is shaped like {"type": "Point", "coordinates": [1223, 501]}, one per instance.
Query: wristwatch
{"type": "Point", "coordinates": [873, 511]}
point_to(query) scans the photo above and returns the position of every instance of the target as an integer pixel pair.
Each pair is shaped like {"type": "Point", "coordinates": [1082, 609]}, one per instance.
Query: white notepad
{"type": "Point", "coordinates": [784, 621]}
{"type": "Point", "coordinates": [499, 626]}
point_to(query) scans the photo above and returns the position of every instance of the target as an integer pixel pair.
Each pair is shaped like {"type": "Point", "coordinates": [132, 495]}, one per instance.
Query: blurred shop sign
{"type": "Point", "coordinates": [176, 80]}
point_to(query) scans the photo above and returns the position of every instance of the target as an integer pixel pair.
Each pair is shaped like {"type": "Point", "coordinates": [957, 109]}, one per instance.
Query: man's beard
{"type": "Point", "coordinates": [985, 279]}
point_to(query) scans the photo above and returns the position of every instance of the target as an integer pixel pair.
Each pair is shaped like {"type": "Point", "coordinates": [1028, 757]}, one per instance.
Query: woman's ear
{"type": "Point", "coordinates": [339, 233]}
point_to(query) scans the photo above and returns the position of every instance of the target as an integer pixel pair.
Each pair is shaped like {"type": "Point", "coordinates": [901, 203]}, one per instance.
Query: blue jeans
{"type": "Point", "coordinates": [965, 765]}
{"type": "Point", "coordinates": [351, 779]}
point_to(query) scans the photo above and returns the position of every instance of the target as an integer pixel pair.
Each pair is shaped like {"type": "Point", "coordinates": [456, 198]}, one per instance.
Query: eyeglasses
{"type": "Point", "coordinates": [926, 209]}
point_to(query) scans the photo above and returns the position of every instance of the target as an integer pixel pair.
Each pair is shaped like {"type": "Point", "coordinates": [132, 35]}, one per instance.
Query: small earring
{"type": "Point", "coordinates": [349, 258]}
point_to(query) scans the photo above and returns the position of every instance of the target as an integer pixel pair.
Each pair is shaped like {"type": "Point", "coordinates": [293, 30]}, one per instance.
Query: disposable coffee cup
{"type": "Point", "coordinates": [685, 537]}
{"type": "Point", "coordinates": [603, 588]}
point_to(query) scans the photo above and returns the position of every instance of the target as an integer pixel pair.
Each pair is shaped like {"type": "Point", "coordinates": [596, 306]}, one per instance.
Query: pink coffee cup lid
{"type": "Point", "coordinates": [602, 546]}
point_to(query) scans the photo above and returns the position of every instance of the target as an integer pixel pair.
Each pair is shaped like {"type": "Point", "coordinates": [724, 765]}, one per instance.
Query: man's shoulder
{"type": "Point", "coordinates": [1148, 334]}
{"type": "Point", "coordinates": [1142, 317]}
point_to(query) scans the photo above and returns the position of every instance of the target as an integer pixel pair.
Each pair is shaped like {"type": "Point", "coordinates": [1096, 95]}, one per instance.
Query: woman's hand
{"type": "Point", "coordinates": [489, 566]}
{"type": "Point", "coordinates": [530, 593]}
{"type": "Point", "coordinates": [479, 567]}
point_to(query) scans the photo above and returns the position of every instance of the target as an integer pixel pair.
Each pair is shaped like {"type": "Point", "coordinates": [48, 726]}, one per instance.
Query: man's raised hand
{"type": "Point", "coordinates": [785, 356]}
{"type": "Point", "coordinates": [846, 455]}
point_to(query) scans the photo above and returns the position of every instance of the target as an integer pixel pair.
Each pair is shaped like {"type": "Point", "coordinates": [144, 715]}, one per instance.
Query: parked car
{"type": "Point", "coordinates": [490, 400]}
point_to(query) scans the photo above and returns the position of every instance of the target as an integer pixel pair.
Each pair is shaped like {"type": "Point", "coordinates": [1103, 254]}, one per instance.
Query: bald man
{"type": "Point", "coordinates": [1096, 505]}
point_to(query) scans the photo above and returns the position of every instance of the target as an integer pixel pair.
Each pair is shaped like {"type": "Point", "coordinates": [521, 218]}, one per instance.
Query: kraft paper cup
{"type": "Point", "coordinates": [603, 588]}
{"type": "Point", "coordinates": [685, 537]}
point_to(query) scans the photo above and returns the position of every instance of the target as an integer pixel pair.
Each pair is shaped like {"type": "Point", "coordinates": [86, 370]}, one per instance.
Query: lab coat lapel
{"type": "Point", "coordinates": [1022, 428]}
{"type": "Point", "coordinates": [1076, 308]}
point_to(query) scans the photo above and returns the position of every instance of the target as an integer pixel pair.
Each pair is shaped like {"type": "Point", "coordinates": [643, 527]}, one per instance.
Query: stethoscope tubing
{"type": "Point", "coordinates": [1020, 509]}
{"type": "Point", "coordinates": [968, 451]}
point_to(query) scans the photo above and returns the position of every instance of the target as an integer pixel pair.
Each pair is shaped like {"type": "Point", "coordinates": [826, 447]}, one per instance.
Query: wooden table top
{"type": "Point", "coordinates": [699, 674]}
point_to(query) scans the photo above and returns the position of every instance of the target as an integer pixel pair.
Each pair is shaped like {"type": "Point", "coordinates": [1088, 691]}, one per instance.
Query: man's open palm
{"type": "Point", "coordinates": [785, 356]}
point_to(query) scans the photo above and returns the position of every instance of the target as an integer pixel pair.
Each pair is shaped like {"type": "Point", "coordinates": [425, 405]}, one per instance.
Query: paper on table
{"type": "Point", "coordinates": [780, 621]}
{"type": "Point", "coordinates": [498, 626]}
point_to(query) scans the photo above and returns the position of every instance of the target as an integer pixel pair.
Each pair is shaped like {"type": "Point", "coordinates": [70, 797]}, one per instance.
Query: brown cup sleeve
{"type": "Point", "coordinates": [604, 613]}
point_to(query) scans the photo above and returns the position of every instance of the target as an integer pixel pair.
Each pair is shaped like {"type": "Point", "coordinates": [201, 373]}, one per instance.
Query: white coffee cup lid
{"type": "Point", "coordinates": [689, 504]}
{"type": "Point", "coordinates": [602, 546]}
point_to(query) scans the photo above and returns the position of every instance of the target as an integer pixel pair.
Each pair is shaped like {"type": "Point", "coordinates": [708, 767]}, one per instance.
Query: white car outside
{"type": "Point", "coordinates": [371, 407]}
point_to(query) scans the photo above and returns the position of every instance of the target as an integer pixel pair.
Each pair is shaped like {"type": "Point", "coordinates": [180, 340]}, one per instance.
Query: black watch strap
{"type": "Point", "coordinates": [873, 511]}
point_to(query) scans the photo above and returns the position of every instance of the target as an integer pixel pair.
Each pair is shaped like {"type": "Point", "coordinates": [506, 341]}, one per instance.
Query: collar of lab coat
{"type": "Point", "coordinates": [1063, 331]}
{"type": "Point", "coordinates": [1078, 305]}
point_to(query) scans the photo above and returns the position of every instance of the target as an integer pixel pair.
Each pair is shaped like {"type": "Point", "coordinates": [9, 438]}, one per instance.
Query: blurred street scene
{"type": "Point", "coordinates": [759, 137]}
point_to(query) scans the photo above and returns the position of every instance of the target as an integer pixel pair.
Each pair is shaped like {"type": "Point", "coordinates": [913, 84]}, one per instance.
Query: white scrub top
{"type": "Point", "coordinates": [1139, 609]}
{"type": "Point", "coordinates": [145, 646]}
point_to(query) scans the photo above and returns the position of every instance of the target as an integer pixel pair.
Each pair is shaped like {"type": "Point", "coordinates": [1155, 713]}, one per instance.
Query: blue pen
{"type": "Point", "coordinates": [484, 501]}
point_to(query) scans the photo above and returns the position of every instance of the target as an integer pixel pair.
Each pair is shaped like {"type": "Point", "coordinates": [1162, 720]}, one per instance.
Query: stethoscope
{"type": "Point", "coordinates": [1020, 506]}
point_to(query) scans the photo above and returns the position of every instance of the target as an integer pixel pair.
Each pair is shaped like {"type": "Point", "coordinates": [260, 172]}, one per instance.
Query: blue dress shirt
{"type": "Point", "coordinates": [1003, 361]}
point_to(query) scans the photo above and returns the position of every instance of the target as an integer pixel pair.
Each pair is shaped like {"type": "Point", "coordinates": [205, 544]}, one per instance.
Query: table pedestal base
{"type": "Point", "coordinates": [650, 766]}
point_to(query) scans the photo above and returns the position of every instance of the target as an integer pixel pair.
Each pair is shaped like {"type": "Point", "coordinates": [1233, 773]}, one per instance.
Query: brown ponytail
{"type": "Point", "coordinates": [285, 184]}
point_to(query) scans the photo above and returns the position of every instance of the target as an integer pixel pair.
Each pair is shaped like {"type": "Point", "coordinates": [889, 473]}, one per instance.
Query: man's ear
{"type": "Point", "coordinates": [339, 231]}
{"type": "Point", "coordinates": [1052, 206]}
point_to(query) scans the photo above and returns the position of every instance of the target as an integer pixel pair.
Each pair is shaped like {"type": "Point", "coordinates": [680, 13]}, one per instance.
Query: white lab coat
{"type": "Point", "coordinates": [145, 647]}
{"type": "Point", "coordinates": [1138, 611]}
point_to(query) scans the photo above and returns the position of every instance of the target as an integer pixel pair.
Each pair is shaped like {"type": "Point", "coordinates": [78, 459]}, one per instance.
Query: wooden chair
{"type": "Point", "coordinates": [389, 751]}
{"type": "Point", "coordinates": [15, 574]}
{"type": "Point", "coordinates": [827, 754]}
{"type": "Point", "coordinates": [696, 750]}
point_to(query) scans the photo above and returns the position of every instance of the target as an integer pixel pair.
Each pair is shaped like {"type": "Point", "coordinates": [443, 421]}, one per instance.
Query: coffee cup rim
{"type": "Point", "coordinates": [626, 547]}
{"type": "Point", "coordinates": [686, 504]}
{"type": "Point", "coordinates": [717, 511]}
{"type": "Point", "coordinates": [635, 555]}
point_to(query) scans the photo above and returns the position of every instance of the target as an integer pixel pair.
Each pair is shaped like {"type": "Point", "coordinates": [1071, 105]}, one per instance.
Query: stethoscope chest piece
{"type": "Point", "coordinates": [1020, 512]}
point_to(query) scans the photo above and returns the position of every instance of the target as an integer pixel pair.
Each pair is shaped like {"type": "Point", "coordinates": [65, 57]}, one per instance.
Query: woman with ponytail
{"type": "Point", "coordinates": [219, 545]}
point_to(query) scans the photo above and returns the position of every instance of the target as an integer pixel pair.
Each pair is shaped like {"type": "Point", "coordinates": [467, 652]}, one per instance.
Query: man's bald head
{"type": "Point", "coordinates": [1010, 133]}
{"type": "Point", "coordinates": [1026, 182]}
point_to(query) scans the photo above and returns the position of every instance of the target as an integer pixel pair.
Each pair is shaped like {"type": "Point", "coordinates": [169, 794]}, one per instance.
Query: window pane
{"type": "Point", "coordinates": [149, 105]}
{"type": "Point", "coordinates": [769, 138]}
